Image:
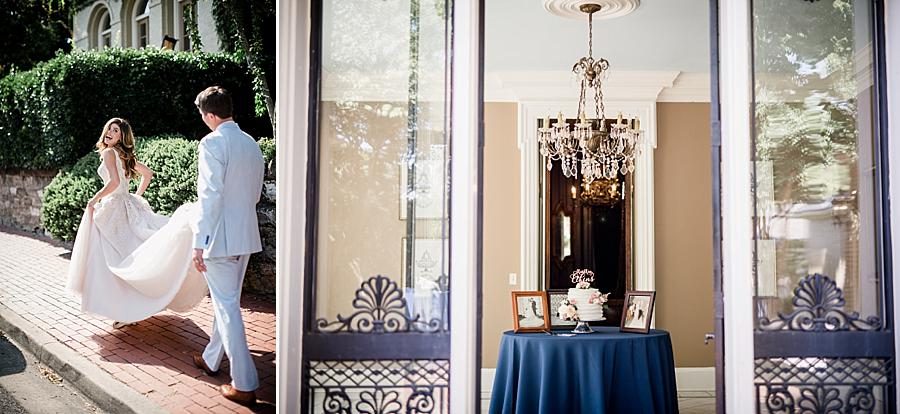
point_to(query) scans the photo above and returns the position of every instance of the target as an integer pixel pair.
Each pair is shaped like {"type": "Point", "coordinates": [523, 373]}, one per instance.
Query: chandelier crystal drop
{"type": "Point", "coordinates": [603, 152]}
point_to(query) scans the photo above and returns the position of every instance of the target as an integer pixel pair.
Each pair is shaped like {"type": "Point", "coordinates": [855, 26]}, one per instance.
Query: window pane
{"type": "Point", "coordinates": [383, 189]}
{"type": "Point", "coordinates": [815, 167]}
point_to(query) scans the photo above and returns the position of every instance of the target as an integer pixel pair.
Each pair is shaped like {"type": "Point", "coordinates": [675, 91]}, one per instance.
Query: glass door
{"type": "Point", "coordinates": [822, 293]}
{"type": "Point", "coordinates": [378, 276]}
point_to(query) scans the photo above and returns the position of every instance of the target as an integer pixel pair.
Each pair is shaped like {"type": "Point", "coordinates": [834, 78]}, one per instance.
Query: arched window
{"type": "Point", "coordinates": [142, 23]}
{"type": "Point", "coordinates": [101, 29]}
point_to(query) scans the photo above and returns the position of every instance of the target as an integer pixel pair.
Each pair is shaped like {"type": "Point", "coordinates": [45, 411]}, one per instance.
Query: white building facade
{"type": "Point", "coordinates": [143, 23]}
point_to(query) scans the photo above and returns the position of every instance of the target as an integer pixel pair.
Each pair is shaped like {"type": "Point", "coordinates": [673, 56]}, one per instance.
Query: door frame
{"type": "Point", "coordinates": [292, 63]}
{"type": "Point", "coordinates": [892, 94]}
{"type": "Point", "coordinates": [466, 203]}
{"type": "Point", "coordinates": [734, 90]}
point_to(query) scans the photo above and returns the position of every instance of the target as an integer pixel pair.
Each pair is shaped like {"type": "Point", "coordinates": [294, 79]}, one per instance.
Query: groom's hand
{"type": "Point", "coordinates": [198, 260]}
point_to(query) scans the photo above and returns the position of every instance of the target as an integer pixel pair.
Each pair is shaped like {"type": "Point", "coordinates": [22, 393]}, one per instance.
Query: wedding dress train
{"type": "Point", "coordinates": [129, 263]}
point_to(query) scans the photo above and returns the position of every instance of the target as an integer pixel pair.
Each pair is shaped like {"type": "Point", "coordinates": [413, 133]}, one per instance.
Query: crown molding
{"type": "Point", "coordinates": [689, 87]}
{"type": "Point", "coordinates": [654, 86]}
{"type": "Point", "coordinates": [521, 86]}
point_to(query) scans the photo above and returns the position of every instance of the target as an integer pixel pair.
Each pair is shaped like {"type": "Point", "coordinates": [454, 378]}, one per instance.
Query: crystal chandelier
{"type": "Point", "coordinates": [603, 152]}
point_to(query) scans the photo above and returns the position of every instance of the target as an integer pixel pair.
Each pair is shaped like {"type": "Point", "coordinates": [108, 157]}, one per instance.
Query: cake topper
{"type": "Point", "coordinates": [582, 278]}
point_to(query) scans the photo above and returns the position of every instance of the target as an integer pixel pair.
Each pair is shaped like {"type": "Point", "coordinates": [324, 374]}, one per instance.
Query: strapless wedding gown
{"type": "Point", "coordinates": [129, 263]}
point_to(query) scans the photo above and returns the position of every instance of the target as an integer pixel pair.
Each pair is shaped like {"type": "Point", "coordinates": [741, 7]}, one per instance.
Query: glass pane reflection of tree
{"type": "Point", "coordinates": [383, 192]}
{"type": "Point", "coordinates": [814, 169]}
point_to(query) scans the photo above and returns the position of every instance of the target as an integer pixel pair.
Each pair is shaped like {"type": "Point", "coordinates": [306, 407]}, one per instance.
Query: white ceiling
{"type": "Point", "coordinates": [661, 35]}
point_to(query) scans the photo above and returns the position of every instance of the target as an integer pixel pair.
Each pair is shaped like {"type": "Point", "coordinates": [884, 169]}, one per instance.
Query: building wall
{"type": "Point", "coordinates": [683, 228]}
{"type": "Point", "coordinates": [165, 19]}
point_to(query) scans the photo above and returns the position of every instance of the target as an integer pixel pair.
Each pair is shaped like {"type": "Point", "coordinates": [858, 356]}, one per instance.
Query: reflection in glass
{"type": "Point", "coordinates": [382, 178]}
{"type": "Point", "coordinates": [814, 167]}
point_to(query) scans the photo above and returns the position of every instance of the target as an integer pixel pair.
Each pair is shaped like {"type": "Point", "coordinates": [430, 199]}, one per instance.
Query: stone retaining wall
{"type": "Point", "coordinates": [21, 195]}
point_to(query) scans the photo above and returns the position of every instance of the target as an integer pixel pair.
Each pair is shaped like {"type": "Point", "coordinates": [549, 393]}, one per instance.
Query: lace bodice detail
{"type": "Point", "coordinates": [124, 219]}
{"type": "Point", "coordinates": [120, 169]}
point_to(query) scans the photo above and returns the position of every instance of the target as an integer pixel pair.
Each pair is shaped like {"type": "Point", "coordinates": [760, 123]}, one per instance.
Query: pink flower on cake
{"type": "Point", "coordinates": [567, 311]}
{"type": "Point", "coordinates": [598, 298]}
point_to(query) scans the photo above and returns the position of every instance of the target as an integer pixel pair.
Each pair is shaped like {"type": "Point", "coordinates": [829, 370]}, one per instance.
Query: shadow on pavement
{"type": "Point", "coordinates": [11, 359]}
{"type": "Point", "coordinates": [169, 341]}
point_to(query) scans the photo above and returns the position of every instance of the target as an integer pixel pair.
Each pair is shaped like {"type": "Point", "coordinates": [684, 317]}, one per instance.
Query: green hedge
{"type": "Point", "coordinates": [173, 160]}
{"type": "Point", "coordinates": [52, 115]}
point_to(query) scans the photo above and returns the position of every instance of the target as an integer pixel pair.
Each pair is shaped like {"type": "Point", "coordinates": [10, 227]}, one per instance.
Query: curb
{"type": "Point", "coordinates": [96, 384]}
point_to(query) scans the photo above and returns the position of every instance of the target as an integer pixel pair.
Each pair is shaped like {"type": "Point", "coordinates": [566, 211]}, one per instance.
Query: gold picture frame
{"type": "Point", "coordinates": [531, 312]}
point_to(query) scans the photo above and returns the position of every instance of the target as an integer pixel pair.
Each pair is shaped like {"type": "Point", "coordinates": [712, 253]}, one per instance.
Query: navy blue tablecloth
{"type": "Point", "coordinates": [604, 372]}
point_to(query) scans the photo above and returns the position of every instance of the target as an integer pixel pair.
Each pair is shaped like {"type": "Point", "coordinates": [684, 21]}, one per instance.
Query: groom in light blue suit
{"type": "Point", "coordinates": [226, 232]}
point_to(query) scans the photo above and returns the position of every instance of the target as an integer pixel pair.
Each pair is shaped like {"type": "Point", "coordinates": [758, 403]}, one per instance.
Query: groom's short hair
{"type": "Point", "coordinates": [215, 100]}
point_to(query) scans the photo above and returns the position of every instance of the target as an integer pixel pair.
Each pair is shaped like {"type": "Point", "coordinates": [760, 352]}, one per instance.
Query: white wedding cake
{"type": "Point", "coordinates": [589, 301]}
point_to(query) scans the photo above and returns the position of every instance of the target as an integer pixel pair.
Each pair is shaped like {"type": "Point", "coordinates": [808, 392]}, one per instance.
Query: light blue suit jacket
{"type": "Point", "coordinates": [229, 184]}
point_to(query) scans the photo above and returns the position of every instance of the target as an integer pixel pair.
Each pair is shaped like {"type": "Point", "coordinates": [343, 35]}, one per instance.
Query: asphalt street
{"type": "Point", "coordinates": [27, 386]}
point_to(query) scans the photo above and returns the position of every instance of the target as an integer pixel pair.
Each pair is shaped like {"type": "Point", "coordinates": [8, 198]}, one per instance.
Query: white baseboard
{"type": "Point", "coordinates": [696, 379]}
{"type": "Point", "coordinates": [687, 379]}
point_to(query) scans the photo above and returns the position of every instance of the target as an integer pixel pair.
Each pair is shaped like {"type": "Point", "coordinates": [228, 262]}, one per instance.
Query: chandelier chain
{"type": "Point", "coordinates": [591, 35]}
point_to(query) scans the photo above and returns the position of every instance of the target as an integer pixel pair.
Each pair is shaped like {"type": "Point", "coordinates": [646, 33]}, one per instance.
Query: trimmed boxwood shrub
{"type": "Point", "coordinates": [172, 158]}
{"type": "Point", "coordinates": [52, 115]}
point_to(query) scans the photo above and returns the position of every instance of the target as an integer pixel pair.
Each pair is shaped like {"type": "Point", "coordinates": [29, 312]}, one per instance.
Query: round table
{"type": "Point", "coordinates": [604, 372]}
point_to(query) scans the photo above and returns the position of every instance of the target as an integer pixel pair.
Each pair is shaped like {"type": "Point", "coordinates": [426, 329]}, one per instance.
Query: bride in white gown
{"type": "Point", "coordinates": [129, 263]}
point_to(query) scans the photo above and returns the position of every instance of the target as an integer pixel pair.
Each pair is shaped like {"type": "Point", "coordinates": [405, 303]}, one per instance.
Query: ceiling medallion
{"type": "Point", "coordinates": [609, 8]}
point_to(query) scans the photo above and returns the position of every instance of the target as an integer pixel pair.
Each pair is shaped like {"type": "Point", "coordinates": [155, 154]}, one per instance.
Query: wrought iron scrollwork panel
{"type": "Point", "coordinates": [380, 308]}
{"type": "Point", "coordinates": [819, 307]}
{"type": "Point", "coordinates": [379, 386]}
{"type": "Point", "coordinates": [823, 385]}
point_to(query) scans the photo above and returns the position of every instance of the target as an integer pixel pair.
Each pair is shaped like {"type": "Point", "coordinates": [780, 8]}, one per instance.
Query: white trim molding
{"type": "Point", "coordinates": [892, 75]}
{"type": "Point", "coordinates": [465, 125]}
{"type": "Point", "coordinates": [622, 85]}
{"type": "Point", "coordinates": [293, 97]}
{"type": "Point", "coordinates": [688, 87]}
{"type": "Point", "coordinates": [737, 236]}
{"type": "Point", "coordinates": [531, 168]}
{"type": "Point", "coordinates": [561, 85]}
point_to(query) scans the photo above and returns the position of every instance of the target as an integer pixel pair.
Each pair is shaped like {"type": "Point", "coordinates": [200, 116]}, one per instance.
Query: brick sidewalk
{"type": "Point", "coordinates": [153, 357]}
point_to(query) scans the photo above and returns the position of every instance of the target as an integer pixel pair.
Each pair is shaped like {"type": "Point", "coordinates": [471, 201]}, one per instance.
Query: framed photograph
{"type": "Point", "coordinates": [554, 298]}
{"type": "Point", "coordinates": [530, 311]}
{"type": "Point", "coordinates": [637, 311]}
{"type": "Point", "coordinates": [430, 191]}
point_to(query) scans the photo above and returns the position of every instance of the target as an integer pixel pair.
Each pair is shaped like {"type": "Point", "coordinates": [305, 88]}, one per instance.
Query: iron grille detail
{"type": "Point", "coordinates": [381, 308]}
{"type": "Point", "coordinates": [823, 385]}
{"type": "Point", "coordinates": [379, 386]}
{"type": "Point", "coordinates": [819, 307]}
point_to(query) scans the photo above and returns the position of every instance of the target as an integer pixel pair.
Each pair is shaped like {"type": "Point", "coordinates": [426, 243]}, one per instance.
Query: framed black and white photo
{"type": "Point", "coordinates": [530, 311]}
{"type": "Point", "coordinates": [555, 298]}
{"type": "Point", "coordinates": [637, 311]}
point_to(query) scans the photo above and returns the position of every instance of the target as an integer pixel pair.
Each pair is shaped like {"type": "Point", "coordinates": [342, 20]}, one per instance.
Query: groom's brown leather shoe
{"type": "Point", "coordinates": [200, 363]}
{"type": "Point", "coordinates": [238, 396]}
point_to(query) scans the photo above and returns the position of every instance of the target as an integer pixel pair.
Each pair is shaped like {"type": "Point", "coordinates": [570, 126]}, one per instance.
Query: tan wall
{"type": "Point", "coordinates": [501, 223]}
{"type": "Point", "coordinates": [683, 228]}
{"type": "Point", "coordinates": [683, 183]}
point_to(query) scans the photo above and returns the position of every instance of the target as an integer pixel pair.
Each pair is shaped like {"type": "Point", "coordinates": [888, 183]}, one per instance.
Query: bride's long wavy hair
{"type": "Point", "coordinates": [125, 146]}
